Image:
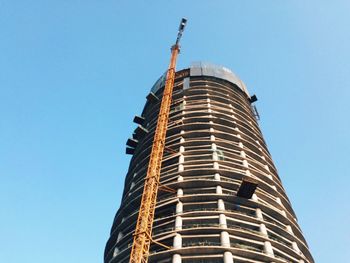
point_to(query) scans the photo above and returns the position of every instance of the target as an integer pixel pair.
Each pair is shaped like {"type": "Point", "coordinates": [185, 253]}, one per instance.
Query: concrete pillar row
{"type": "Point", "coordinates": [228, 257]}
{"type": "Point", "coordinates": [268, 248]}
{"type": "Point", "coordinates": [259, 214]}
{"type": "Point", "coordinates": [219, 190]}
{"type": "Point", "coordinates": [221, 205]}
{"type": "Point", "coordinates": [225, 239]}
{"type": "Point", "coordinates": [179, 208]}
{"type": "Point", "coordinates": [181, 168]}
{"type": "Point", "coordinates": [222, 221]}
{"type": "Point", "coordinates": [177, 243]}
{"type": "Point", "coordinates": [217, 177]}
{"type": "Point", "coordinates": [178, 223]}
{"type": "Point", "coordinates": [177, 258]}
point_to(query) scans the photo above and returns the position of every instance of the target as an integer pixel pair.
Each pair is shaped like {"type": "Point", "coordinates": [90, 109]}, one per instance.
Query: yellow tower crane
{"type": "Point", "coordinates": [143, 232]}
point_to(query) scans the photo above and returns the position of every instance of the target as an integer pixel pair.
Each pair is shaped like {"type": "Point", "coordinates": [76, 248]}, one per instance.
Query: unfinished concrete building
{"type": "Point", "coordinates": [224, 200]}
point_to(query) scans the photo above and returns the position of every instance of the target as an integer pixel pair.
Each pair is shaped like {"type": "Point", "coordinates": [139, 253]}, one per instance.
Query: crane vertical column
{"type": "Point", "coordinates": [143, 232]}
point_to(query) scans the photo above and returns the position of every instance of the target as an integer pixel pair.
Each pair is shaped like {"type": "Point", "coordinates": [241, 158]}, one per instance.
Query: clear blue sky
{"type": "Point", "coordinates": [74, 73]}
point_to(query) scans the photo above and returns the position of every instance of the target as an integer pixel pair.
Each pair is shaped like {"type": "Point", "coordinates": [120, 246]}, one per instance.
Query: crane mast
{"type": "Point", "coordinates": [143, 232]}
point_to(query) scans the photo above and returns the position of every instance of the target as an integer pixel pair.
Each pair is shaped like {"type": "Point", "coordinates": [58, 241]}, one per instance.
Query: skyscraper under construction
{"type": "Point", "coordinates": [220, 197]}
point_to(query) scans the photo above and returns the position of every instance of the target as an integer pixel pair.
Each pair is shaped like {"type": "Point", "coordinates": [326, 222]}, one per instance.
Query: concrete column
{"type": "Point", "coordinates": [211, 129]}
{"type": "Point", "coordinates": [212, 137]}
{"type": "Point", "coordinates": [213, 146]}
{"type": "Point", "coordinates": [289, 229]}
{"type": "Point", "coordinates": [182, 149]}
{"type": "Point", "coordinates": [255, 197]}
{"type": "Point", "coordinates": [245, 163]}
{"type": "Point", "coordinates": [221, 205]}
{"type": "Point", "coordinates": [115, 252]}
{"type": "Point", "coordinates": [132, 185]}
{"type": "Point", "coordinates": [267, 167]}
{"type": "Point", "coordinates": [278, 200]}
{"type": "Point", "coordinates": [182, 140]}
{"type": "Point", "coordinates": [180, 179]}
{"type": "Point", "coordinates": [176, 258]}
{"type": "Point", "coordinates": [177, 243]}
{"type": "Point", "coordinates": [242, 154]}
{"type": "Point", "coordinates": [215, 156]}
{"type": "Point", "coordinates": [240, 145]}
{"type": "Point", "coordinates": [182, 132]}
{"type": "Point", "coordinates": [208, 100]}
{"type": "Point", "coordinates": [284, 213]}
{"type": "Point", "coordinates": [228, 258]}
{"type": "Point", "coordinates": [268, 248]}
{"type": "Point", "coordinates": [295, 247]}
{"type": "Point", "coordinates": [225, 239]}
{"type": "Point", "coordinates": [222, 221]}
{"type": "Point", "coordinates": [216, 165]}
{"type": "Point", "coordinates": [301, 261]}
{"type": "Point", "coordinates": [120, 236]}
{"type": "Point", "coordinates": [217, 177]}
{"type": "Point", "coordinates": [180, 192]}
{"type": "Point", "coordinates": [181, 168]}
{"type": "Point", "coordinates": [270, 176]}
{"type": "Point", "coordinates": [263, 229]}
{"type": "Point", "coordinates": [238, 136]}
{"type": "Point", "coordinates": [209, 110]}
{"type": "Point", "coordinates": [179, 208]}
{"type": "Point", "coordinates": [274, 187]}
{"type": "Point", "coordinates": [181, 159]}
{"type": "Point", "coordinates": [178, 223]}
{"type": "Point", "coordinates": [219, 189]}
{"type": "Point", "coordinates": [259, 214]}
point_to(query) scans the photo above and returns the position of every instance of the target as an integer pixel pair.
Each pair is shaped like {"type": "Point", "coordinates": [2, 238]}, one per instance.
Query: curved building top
{"type": "Point", "coordinates": [207, 69]}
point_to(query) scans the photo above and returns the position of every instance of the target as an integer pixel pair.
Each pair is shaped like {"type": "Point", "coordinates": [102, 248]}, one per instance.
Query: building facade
{"type": "Point", "coordinates": [224, 200]}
